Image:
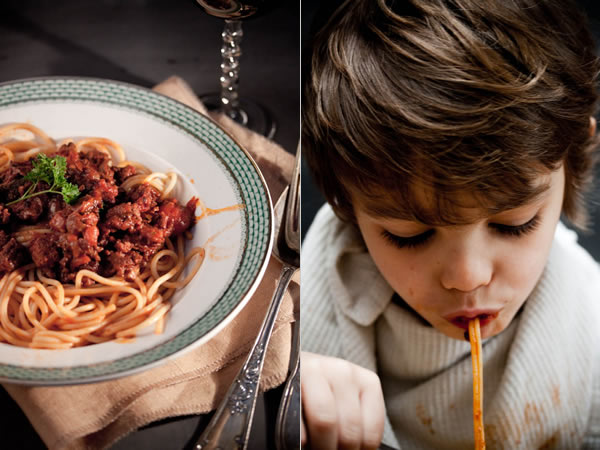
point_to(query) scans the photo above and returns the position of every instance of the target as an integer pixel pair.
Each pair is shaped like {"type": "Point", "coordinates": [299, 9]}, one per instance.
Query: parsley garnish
{"type": "Point", "coordinates": [51, 170]}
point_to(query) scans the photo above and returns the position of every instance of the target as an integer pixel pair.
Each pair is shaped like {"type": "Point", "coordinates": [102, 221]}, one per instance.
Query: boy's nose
{"type": "Point", "coordinates": [466, 270]}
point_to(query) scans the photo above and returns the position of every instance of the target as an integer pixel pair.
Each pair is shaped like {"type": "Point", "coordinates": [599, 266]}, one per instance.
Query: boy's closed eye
{"type": "Point", "coordinates": [422, 238]}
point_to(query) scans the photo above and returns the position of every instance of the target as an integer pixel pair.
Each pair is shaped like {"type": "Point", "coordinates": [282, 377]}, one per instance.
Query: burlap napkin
{"type": "Point", "coordinates": [94, 416]}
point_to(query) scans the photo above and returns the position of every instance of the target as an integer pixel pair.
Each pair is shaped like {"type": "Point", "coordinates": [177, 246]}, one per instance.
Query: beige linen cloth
{"type": "Point", "coordinates": [94, 416]}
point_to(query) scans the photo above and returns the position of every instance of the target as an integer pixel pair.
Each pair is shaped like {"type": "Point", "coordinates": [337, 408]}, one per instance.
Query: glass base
{"type": "Point", "coordinates": [251, 115]}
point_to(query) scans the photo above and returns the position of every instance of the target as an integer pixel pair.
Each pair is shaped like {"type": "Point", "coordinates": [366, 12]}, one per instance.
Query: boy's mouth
{"type": "Point", "coordinates": [461, 319]}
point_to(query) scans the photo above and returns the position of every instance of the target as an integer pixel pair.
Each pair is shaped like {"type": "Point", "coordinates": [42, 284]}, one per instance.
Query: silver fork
{"type": "Point", "coordinates": [287, 426]}
{"type": "Point", "coordinates": [229, 428]}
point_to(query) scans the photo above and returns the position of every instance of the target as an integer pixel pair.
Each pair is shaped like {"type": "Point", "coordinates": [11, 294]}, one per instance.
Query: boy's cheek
{"type": "Point", "coordinates": [523, 265]}
{"type": "Point", "coordinates": [407, 277]}
{"type": "Point", "coordinates": [417, 287]}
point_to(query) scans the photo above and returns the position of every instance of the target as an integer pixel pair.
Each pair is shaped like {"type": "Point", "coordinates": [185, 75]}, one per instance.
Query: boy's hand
{"type": "Point", "coordinates": [342, 404]}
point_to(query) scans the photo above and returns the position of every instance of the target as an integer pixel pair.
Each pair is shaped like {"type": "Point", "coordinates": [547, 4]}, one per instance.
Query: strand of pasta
{"type": "Point", "coordinates": [104, 145]}
{"type": "Point", "coordinates": [475, 339]}
{"type": "Point", "coordinates": [31, 323]}
{"type": "Point", "coordinates": [15, 127]}
{"type": "Point", "coordinates": [162, 182]}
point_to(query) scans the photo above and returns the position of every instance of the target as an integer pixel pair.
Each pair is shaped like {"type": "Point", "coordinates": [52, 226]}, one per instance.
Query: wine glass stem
{"type": "Point", "coordinates": [230, 67]}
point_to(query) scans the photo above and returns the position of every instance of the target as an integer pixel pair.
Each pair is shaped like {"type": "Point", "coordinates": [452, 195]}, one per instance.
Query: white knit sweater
{"type": "Point", "coordinates": [541, 378]}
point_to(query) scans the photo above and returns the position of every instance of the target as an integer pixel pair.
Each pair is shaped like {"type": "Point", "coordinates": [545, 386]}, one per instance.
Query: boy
{"type": "Point", "coordinates": [448, 137]}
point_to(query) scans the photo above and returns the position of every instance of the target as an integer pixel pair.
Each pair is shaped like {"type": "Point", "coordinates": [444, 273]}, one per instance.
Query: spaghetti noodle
{"type": "Point", "coordinates": [80, 307]}
{"type": "Point", "coordinates": [475, 339]}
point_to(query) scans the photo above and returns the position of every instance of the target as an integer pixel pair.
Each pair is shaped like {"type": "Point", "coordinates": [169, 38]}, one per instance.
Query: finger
{"type": "Point", "coordinates": [303, 436]}
{"type": "Point", "coordinates": [372, 408]}
{"type": "Point", "coordinates": [349, 416]}
{"type": "Point", "coordinates": [318, 404]}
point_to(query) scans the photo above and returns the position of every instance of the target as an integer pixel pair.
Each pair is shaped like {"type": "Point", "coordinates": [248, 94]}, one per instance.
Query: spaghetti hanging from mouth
{"type": "Point", "coordinates": [475, 340]}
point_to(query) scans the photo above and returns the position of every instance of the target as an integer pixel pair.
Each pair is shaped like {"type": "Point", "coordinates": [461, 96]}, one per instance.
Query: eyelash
{"type": "Point", "coordinates": [407, 242]}
{"type": "Point", "coordinates": [420, 239]}
{"type": "Point", "coordinates": [518, 230]}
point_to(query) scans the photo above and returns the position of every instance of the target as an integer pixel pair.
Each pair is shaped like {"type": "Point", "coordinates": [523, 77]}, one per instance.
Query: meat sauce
{"type": "Point", "coordinates": [107, 230]}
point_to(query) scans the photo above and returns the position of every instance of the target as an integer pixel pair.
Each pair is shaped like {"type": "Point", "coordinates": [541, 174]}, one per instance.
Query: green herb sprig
{"type": "Point", "coordinates": [52, 170]}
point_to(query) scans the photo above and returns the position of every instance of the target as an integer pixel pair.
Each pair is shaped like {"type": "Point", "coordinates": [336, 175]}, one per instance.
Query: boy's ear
{"type": "Point", "coordinates": [592, 126]}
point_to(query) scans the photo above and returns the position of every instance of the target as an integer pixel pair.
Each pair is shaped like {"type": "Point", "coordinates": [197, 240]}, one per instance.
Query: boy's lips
{"type": "Point", "coordinates": [461, 319]}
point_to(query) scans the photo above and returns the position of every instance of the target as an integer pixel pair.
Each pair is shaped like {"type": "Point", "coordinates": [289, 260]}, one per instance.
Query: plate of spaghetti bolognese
{"type": "Point", "coordinates": [131, 229]}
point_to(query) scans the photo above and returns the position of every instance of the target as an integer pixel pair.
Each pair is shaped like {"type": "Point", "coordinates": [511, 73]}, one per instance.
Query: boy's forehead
{"type": "Point", "coordinates": [427, 204]}
{"type": "Point", "coordinates": [424, 203]}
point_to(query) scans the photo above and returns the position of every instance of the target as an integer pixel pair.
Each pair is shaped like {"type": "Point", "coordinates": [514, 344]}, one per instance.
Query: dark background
{"type": "Point", "coordinates": [312, 12]}
{"type": "Point", "coordinates": [144, 42]}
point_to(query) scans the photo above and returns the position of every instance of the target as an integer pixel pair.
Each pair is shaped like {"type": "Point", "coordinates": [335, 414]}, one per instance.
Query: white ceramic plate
{"type": "Point", "coordinates": [162, 134]}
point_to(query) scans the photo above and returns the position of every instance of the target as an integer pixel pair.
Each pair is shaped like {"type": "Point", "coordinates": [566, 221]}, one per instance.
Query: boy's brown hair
{"type": "Point", "coordinates": [456, 96]}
